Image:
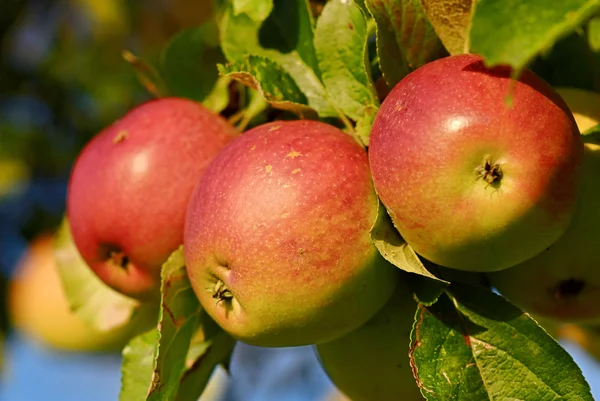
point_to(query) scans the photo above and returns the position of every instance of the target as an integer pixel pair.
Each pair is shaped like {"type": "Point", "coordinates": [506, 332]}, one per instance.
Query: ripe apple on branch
{"type": "Point", "coordinates": [327, 218]}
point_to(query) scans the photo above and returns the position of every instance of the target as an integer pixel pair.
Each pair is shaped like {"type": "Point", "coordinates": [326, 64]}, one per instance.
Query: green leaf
{"type": "Point", "coordinates": [239, 36]}
{"type": "Point", "coordinates": [258, 10]}
{"type": "Point", "coordinates": [593, 34]}
{"type": "Point", "coordinates": [137, 366]}
{"type": "Point", "coordinates": [451, 20]}
{"type": "Point", "coordinates": [240, 42]}
{"type": "Point", "coordinates": [272, 81]}
{"type": "Point", "coordinates": [179, 319]}
{"type": "Point", "coordinates": [189, 62]}
{"type": "Point", "coordinates": [405, 37]}
{"type": "Point", "coordinates": [558, 69]}
{"type": "Point", "coordinates": [212, 348]}
{"type": "Point", "coordinates": [393, 247]}
{"type": "Point", "coordinates": [255, 106]}
{"type": "Point", "coordinates": [341, 45]}
{"type": "Point", "coordinates": [169, 344]}
{"type": "Point", "coordinates": [425, 290]}
{"type": "Point", "coordinates": [438, 336]}
{"type": "Point", "coordinates": [290, 27]}
{"type": "Point", "coordinates": [473, 344]}
{"type": "Point", "coordinates": [176, 360]}
{"type": "Point", "coordinates": [363, 126]}
{"type": "Point", "coordinates": [592, 135]}
{"type": "Point", "coordinates": [91, 300]}
{"type": "Point", "coordinates": [307, 81]}
{"type": "Point", "coordinates": [218, 99]}
{"type": "Point", "coordinates": [515, 31]}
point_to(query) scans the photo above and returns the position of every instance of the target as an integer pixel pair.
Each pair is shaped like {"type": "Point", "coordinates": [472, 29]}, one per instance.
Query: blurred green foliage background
{"type": "Point", "coordinates": [62, 79]}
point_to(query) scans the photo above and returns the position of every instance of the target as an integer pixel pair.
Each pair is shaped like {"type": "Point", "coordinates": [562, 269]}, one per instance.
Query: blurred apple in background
{"type": "Point", "coordinates": [584, 104]}
{"type": "Point", "coordinates": [336, 395]}
{"type": "Point", "coordinates": [39, 308]}
{"type": "Point", "coordinates": [586, 337]}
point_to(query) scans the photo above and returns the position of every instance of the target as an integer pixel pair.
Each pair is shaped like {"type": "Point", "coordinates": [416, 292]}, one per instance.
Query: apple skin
{"type": "Point", "coordinates": [129, 188]}
{"type": "Point", "coordinates": [277, 238]}
{"type": "Point", "coordinates": [39, 307]}
{"type": "Point", "coordinates": [436, 143]}
{"type": "Point", "coordinates": [371, 363]}
{"type": "Point", "coordinates": [562, 283]}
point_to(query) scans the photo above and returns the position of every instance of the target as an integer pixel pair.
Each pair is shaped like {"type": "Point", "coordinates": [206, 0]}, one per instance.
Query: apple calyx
{"type": "Point", "coordinates": [569, 288]}
{"type": "Point", "coordinates": [119, 258]}
{"type": "Point", "coordinates": [221, 292]}
{"type": "Point", "coordinates": [490, 171]}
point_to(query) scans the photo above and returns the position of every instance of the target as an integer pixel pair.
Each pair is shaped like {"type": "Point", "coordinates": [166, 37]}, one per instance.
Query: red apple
{"type": "Point", "coordinates": [562, 282]}
{"type": "Point", "coordinates": [277, 239]}
{"type": "Point", "coordinates": [471, 182]}
{"type": "Point", "coordinates": [129, 189]}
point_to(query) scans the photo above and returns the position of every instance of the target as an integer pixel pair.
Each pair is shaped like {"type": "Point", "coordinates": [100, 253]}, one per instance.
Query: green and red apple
{"type": "Point", "coordinates": [563, 281]}
{"type": "Point", "coordinates": [277, 237]}
{"type": "Point", "coordinates": [130, 186]}
{"type": "Point", "coordinates": [471, 182]}
{"type": "Point", "coordinates": [371, 363]}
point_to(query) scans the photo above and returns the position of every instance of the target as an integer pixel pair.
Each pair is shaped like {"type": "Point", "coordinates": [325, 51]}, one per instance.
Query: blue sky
{"type": "Point", "coordinates": [288, 375]}
{"type": "Point", "coordinates": [589, 366]}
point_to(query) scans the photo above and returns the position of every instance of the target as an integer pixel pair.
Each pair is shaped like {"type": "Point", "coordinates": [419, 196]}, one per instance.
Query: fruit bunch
{"type": "Point", "coordinates": [482, 175]}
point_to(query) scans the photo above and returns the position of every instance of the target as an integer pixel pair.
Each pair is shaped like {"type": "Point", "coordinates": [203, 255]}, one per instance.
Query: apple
{"type": "Point", "coordinates": [335, 395]}
{"type": "Point", "coordinates": [40, 310]}
{"type": "Point", "coordinates": [277, 236]}
{"type": "Point", "coordinates": [562, 282]}
{"type": "Point", "coordinates": [371, 363]}
{"type": "Point", "coordinates": [584, 104]}
{"type": "Point", "coordinates": [470, 182]}
{"type": "Point", "coordinates": [129, 188]}
{"type": "Point", "coordinates": [586, 337]}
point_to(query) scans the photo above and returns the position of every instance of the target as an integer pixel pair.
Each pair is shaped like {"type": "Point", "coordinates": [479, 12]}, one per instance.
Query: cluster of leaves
{"type": "Point", "coordinates": [335, 62]}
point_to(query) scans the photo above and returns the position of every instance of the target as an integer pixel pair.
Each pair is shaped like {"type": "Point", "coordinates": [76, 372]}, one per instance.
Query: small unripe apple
{"type": "Point", "coordinates": [129, 189]}
{"type": "Point", "coordinates": [562, 282]}
{"type": "Point", "coordinates": [277, 238]}
{"type": "Point", "coordinates": [471, 182]}
{"type": "Point", "coordinates": [371, 363]}
{"type": "Point", "coordinates": [39, 307]}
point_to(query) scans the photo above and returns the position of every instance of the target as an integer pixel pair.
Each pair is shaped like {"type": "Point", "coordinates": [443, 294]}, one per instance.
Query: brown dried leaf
{"type": "Point", "coordinates": [451, 20]}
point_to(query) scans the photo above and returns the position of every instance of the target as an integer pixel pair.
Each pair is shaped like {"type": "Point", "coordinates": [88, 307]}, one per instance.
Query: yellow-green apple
{"type": "Point", "coordinates": [39, 307]}
{"type": "Point", "coordinates": [371, 363]}
{"type": "Point", "coordinates": [277, 237]}
{"type": "Point", "coordinates": [130, 185]}
{"type": "Point", "coordinates": [562, 283]}
{"type": "Point", "coordinates": [471, 182]}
